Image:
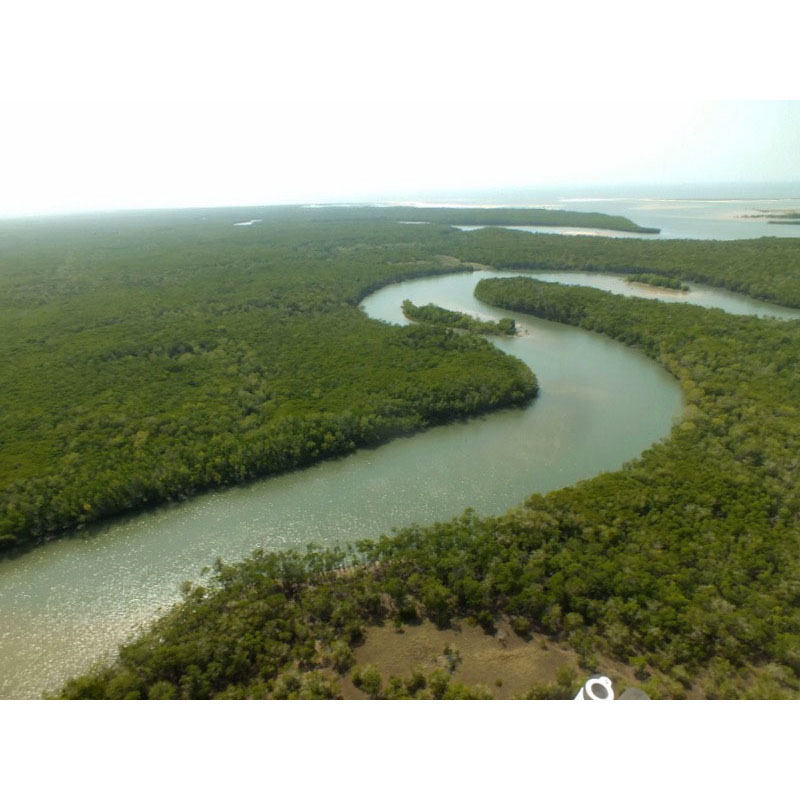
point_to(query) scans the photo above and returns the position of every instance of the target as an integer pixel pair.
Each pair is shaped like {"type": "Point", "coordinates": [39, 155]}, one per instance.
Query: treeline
{"type": "Point", "coordinates": [148, 356]}
{"type": "Point", "coordinates": [652, 279]}
{"type": "Point", "coordinates": [683, 564]}
{"type": "Point", "coordinates": [431, 314]}
{"type": "Point", "coordinates": [481, 216]}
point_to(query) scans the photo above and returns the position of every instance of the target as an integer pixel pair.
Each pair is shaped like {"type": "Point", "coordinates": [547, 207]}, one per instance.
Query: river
{"type": "Point", "coordinates": [69, 603]}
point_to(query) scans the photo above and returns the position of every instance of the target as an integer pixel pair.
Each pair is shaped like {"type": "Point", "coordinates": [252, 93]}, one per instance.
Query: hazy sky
{"type": "Point", "coordinates": [74, 156]}
{"type": "Point", "coordinates": [115, 105]}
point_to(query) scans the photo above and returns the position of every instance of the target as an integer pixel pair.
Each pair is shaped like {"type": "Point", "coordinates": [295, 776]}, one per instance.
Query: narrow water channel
{"type": "Point", "coordinates": [70, 603]}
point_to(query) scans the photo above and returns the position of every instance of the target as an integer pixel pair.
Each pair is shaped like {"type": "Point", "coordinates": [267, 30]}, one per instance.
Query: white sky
{"type": "Point", "coordinates": [185, 104]}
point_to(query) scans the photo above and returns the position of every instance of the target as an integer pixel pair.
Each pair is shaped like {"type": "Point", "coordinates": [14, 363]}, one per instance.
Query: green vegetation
{"type": "Point", "coordinates": [438, 685]}
{"type": "Point", "coordinates": [701, 532]}
{"type": "Point", "coordinates": [157, 354]}
{"type": "Point", "coordinates": [564, 687]}
{"type": "Point", "coordinates": [432, 314]}
{"type": "Point", "coordinates": [651, 279]}
{"type": "Point", "coordinates": [768, 268]}
{"type": "Point", "coordinates": [684, 564]}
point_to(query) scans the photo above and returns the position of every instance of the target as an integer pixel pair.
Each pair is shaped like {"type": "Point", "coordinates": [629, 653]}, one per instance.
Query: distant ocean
{"type": "Point", "coordinates": [681, 211]}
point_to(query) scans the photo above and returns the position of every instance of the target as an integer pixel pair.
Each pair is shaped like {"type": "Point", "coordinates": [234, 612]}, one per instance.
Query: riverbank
{"type": "Point", "coordinates": [127, 572]}
{"type": "Point", "coordinates": [579, 565]}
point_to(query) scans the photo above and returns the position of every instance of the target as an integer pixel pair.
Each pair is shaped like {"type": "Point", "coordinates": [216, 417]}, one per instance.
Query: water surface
{"type": "Point", "coordinates": [698, 294]}
{"type": "Point", "coordinates": [72, 601]}
{"type": "Point", "coordinates": [69, 603]}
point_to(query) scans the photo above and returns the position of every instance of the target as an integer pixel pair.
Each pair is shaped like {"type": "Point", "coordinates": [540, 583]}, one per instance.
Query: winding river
{"type": "Point", "coordinates": [70, 603]}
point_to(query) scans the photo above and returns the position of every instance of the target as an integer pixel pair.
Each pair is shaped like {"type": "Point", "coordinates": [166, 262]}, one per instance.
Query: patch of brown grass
{"type": "Point", "coordinates": [504, 657]}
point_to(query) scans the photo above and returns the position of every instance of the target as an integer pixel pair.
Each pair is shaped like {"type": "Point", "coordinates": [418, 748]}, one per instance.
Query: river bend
{"type": "Point", "coordinates": [69, 603]}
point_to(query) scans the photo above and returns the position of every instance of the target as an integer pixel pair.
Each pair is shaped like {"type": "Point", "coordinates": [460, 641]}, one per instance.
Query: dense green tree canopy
{"type": "Point", "coordinates": [149, 356]}
{"type": "Point", "coordinates": [154, 354]}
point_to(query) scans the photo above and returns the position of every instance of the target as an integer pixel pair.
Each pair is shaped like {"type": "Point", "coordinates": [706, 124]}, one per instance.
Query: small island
{"type": "Point", "coordinates": [435, 315]}
{"type": "Point", "coordinates": [662, 281]}
{"type": "Point", "coordinates": [785, 217]}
